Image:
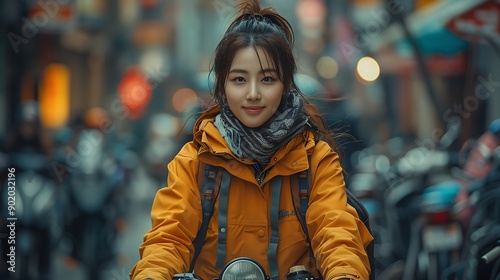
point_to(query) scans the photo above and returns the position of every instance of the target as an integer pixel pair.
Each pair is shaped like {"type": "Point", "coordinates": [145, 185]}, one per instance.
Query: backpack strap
{"type": "Point", "coordinates": [209, 180]}
{"type": "Point", "coordinates": [300, 194]}
{"type": "Point", "coordinates": [215, 182]}
{"type": "Point", "coordinates": [300, 185]}
{"type": "Point", "coordinates": [274, 217]}
{"type": "Point", "coordinates": [222, 216]}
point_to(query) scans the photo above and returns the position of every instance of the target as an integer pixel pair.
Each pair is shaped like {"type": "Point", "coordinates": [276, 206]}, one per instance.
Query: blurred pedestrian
{"type": "Point", "coordinates": [27, 132]}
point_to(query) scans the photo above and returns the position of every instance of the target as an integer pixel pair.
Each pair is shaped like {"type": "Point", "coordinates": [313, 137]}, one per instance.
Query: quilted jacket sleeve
{"type": "Point", "coordinates": [338, 237]}
{"type": "Point", "coordinates": [176, 217]}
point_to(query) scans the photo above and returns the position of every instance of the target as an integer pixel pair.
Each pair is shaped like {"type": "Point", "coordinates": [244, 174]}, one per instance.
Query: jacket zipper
{"type": "Point", "coordinates": [261, 172]}
{"type": "Point", "coordinates": [260, 178]}
{"type": "Point", "coordinates": [347, 275]}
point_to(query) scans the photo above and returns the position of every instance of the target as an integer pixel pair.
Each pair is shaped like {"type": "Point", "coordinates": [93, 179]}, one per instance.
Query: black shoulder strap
{"type": "Point", "coordinates": [301, 186]}
{"type": "Point", "coordinates": [300, 195]}
{"type": "Point", "coordinates": [209, 178]}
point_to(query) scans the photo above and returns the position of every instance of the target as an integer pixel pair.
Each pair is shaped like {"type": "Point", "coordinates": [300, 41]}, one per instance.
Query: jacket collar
{"type": "Point", "coordinates": [209, 140]}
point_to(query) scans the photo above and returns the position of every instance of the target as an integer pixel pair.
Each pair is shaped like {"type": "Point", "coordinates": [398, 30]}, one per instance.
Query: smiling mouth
{"type": "Point", "coordinates": [253, 110]}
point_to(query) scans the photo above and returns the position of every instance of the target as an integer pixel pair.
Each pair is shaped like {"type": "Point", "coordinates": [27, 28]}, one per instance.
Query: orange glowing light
{"type": "Point", "coordinates": [54, 96]}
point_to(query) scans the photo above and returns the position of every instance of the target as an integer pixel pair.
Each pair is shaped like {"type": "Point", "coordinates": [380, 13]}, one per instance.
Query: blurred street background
{"type": "Point", "coordinates": [96, 97]}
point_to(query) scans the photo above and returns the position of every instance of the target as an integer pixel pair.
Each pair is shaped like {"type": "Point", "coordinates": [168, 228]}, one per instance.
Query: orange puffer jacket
{"type": "Point", "coordinates": [337, 235]}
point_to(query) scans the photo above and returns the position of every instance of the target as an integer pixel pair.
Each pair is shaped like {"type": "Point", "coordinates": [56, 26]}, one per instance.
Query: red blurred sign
{"type": "Point", "coordinates": [148, 4]}
{"type": "Point", "coordinates": [50, 16]}
{"type": "Point", "coordinates": [481, 21]}
{"type": "Point", "coordinates": [134, 92]}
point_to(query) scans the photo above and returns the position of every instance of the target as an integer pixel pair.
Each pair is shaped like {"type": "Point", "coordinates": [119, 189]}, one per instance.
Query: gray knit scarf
{"type": "Point", "coordinates": [260, 143]}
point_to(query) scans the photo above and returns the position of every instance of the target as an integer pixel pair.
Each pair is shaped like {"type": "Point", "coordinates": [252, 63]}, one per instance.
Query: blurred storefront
{"type": "Point", "coordinates": [428, 62]}
{"type": "Point", "coordinates": [434, 60]}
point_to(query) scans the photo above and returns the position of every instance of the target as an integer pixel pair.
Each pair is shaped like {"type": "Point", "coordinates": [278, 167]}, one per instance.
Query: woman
{"type": "Point", "coordinates": [261, 128]}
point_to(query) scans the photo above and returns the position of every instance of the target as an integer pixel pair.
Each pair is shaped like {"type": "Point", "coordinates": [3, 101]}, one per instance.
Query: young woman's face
{"type": "Point", "coordinates": [253, 89]}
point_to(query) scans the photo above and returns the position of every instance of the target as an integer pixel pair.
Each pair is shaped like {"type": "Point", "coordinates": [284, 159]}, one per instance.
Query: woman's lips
{"type": "Point", "coordinates": [253, 110]}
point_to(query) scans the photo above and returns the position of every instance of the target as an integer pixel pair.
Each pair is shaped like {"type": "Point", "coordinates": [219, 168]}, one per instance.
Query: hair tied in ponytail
{"type": "Point", "coordinates": [258, 16]}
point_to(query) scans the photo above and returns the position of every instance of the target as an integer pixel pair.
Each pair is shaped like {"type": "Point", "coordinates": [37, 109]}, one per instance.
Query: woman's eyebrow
{"type": "Point", "coordinates": [246, 72]}
{"type": "Point", "coordinates": [269, 70]}
{"type": "Point", "coordinates": [238, 71]}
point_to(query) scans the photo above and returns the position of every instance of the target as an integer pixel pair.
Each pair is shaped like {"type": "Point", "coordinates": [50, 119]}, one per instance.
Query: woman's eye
{"type": "Point", "coordinates": [239, 80]}
{"type": "Point", "coordinates": [268, 79]}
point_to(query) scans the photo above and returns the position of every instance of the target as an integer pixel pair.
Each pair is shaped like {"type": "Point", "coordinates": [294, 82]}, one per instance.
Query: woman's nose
{"type": "Point", "coordinates": [253, 92]}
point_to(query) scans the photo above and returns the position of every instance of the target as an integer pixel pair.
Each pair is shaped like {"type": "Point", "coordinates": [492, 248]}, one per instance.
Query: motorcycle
{"type": "Point", "coordinates": [35, 214]}
{"type": "Point", "coordinates": [419, 208]}
{"type": "Point", "coordinates": [247, 268]}
{"type": "Point", "coordinates": [368, 185]}
{"type": "Point", "coordinates": [94, 195]}
{"type": "Point", "coordinates": [481, 253]}
{"type": "Point", "coordinates": [478, 210]}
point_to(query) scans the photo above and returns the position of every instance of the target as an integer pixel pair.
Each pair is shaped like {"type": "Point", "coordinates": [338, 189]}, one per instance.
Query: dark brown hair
{"type": "Point", "coordinates": [263, 28]}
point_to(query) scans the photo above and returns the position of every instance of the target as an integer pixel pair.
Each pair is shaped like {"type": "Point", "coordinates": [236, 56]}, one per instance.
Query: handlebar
{"type": "Point", "coordinates": [186, 276]}
{"type": "Point", "coordinates": [240, 268]}
{"type": "Point", "coordinates": [491, 255]}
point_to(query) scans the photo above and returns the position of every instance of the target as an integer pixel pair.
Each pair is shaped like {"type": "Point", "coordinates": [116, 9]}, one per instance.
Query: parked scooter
{"type": "Point", "coordinates": [480, 257]}
{"type": "Point", "coordinates": [368, 184]}
{"type": "Point", "coordinates": [481, 253]}
{"type": "Point", "coordinates": [35, 214]}
{"type": "Point", "coordinates": [94, 193]}
{"type": "Point", "coordinates": [479, 163]}
{"type": "Point", "coordinates": [31, 194]}
{"type": "Point", "coordinates": [419, 209]}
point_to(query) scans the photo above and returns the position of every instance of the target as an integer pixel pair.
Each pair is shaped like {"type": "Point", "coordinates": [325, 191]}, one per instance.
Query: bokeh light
{"type": "Point", "coordinates": [327, 67]}
{"type": "Point", "coordinates": [183, 99]}
{"type": "Point", "coordinates": [368, 69]}
{"type": "Point", "coordinates": [135, 92]}
{"type": "Point", "coordinates": [54, 96]}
